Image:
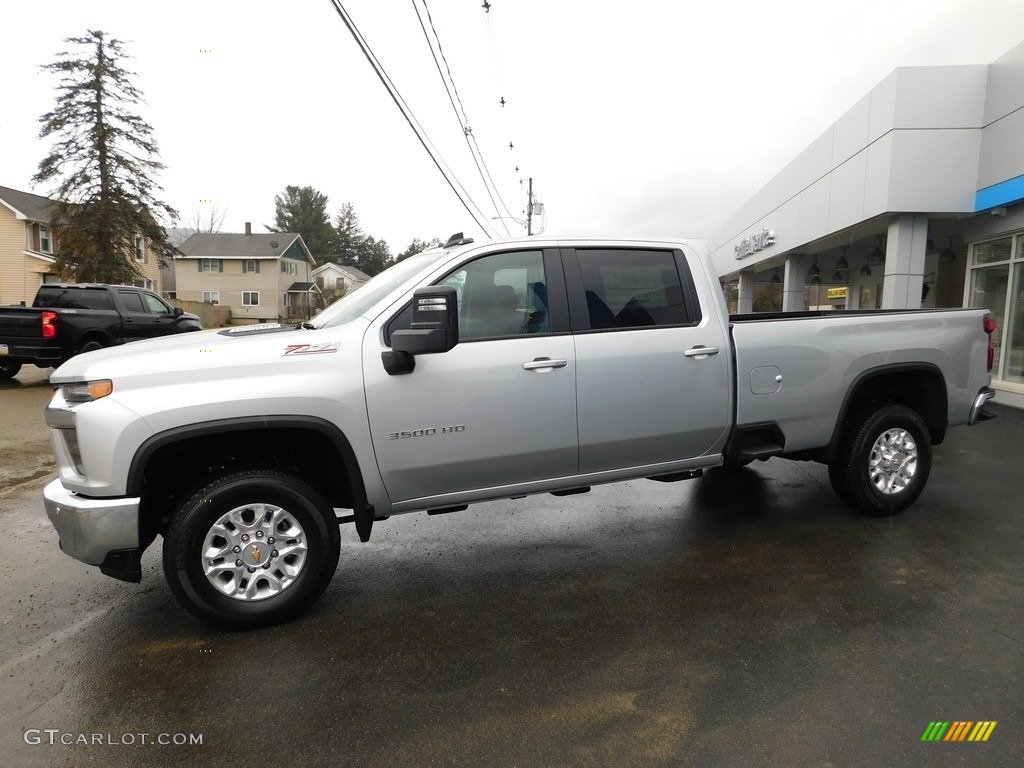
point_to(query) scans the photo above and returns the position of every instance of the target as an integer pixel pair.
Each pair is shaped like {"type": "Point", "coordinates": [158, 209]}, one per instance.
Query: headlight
{"type": "Point", "coordinates": [86, 391]}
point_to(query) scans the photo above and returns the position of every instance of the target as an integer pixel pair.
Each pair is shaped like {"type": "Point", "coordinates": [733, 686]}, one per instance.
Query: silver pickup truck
{"type": "Point", "coordinates": [474, 372]}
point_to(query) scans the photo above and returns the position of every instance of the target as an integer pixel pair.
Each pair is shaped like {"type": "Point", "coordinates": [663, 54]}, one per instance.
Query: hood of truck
{"type": "Point", "coordinates": [206, 355]}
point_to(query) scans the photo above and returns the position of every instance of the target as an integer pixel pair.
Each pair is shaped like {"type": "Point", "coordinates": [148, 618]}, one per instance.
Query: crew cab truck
{"type": "Point", "coordinates": [65, 320]}
{"type": "Point", "coordinates": [475, 372]}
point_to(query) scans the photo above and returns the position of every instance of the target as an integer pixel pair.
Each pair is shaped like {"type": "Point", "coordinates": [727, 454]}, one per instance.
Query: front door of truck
{"type": "Point", "coordinates": [497, 409]}
{"type": "Point", "coordinates": [652, 369]}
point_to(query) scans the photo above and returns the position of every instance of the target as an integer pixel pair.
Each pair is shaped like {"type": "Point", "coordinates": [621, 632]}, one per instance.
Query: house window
{"type": "Point", "coordinates": [147, 284]}
{"type": "Point", "coordinates": [140, 249]}
{"type": "Point", "coordinates": [284, 267]}
{"type": "Point", "coordinates": [286, 299]}
{"type": "Point", "coordinates": [250, 298]}
{"type": "Point", "coordinates": [211, 297]}
{"type": "Point", "coordinates": [44, 239]}
{"type": "Point", "coordinates": [250, 265]}
{"type": "Point", "coordinates": [211, 265]}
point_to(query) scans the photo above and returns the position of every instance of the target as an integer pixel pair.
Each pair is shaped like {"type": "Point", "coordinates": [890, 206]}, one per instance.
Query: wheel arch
{"type": "Point", "coordinates": [920, 386]}
{"type": "Point", "coordinates": [169, 463]}
{"type": "Point", "coordinates": [102, 337]}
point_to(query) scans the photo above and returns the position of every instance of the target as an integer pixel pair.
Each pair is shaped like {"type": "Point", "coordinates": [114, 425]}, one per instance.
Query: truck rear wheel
{"type": "Point", "coordinates": [884, 460]}
{"type": "Point", "coordinates": [8, 369]}
{"type": "Point", "coordinates": [251, 548]}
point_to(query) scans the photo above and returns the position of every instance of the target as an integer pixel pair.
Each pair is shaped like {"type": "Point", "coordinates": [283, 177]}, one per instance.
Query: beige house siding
{"type": "Point", "coordinates": [20, 274]}
{"type": "Point", "coordinates": [232, 283]}
{"type": "Point", "coordinates": [149, 266]}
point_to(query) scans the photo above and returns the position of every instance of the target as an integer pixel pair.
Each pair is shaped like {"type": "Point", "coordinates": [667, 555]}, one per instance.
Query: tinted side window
{"type": "Point", "coordinates": [131, 301]}
{"type": "Point", "coordinates": [502, 295]}
{"type": "Point", "coordinates": [73, 298]}
{"type": "Point", "coordinates": [632, 288]}
{"type": "Point", "coordinates": [156, 306]}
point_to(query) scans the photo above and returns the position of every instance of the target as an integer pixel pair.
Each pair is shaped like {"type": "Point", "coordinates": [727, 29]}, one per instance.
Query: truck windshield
{"type": "Point", "coordinates": [360, 301]}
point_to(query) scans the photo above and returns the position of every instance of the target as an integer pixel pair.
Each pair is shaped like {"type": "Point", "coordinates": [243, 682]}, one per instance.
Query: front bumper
{"type": "Point", "coordinates": [90, 529]}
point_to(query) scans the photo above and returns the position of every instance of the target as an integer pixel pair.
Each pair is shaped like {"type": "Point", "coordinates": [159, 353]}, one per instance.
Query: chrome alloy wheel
{"type": "Point", "coordinates": [254, 552]}
{"type": "Point", "coordinates": [893, 461]}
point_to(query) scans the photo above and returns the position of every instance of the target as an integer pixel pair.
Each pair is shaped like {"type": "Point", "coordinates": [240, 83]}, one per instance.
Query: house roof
{"type": "Point", "coordinates": [26, 205]}
{"type": "Point", "coordinates": [300, 287]}
{"type": "Point", "coordinates": [357, 274]}
{"type": "Point", "coordinates": [227, 245]}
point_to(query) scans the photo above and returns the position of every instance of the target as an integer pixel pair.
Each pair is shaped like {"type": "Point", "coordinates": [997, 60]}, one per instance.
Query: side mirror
{"type": "Point", "coordinates": [178, 312]}
{"type": "Point", "coordinates": [434, 329]}
{"type": "Point", "coordinates": [435, 322]}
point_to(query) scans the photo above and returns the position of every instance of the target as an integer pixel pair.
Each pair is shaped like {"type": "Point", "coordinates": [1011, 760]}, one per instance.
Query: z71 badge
{"type": "Point", "coordinates": [310, 349]}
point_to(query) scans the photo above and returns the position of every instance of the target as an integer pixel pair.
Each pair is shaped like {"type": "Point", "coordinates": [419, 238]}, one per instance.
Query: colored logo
{"type": "Point", "coordinates": [958, 730]}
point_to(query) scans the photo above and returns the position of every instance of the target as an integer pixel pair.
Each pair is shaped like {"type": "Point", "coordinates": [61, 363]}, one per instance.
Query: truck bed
{"type": "Point", "coordinates": [795, 369]}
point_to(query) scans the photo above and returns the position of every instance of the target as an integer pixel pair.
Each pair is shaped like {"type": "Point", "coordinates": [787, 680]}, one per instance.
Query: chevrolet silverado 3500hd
{"type": "Point", "coordinates": [474, 372]}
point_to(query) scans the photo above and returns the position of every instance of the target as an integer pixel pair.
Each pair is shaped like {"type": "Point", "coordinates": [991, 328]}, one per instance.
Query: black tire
{"type": "Point", "coordinates": [8, 369]}
{"type": "Point", "coordinates": [237, 514]}
{"type": "Point", "coordinates": [884, 460]}
{"type": "Point", "coordinates": [90, 346]}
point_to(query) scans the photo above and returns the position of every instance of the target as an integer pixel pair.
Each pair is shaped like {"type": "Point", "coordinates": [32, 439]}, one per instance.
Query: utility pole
{"type": "Point", "coordinates": [529, 209]}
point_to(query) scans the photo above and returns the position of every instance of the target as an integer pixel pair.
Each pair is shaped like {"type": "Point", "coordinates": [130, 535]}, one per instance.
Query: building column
{"type": "Point", "coordinates": [905, 249]}
{"type": "Point", "coordinates": [745, 293]}
{"type": "Point", "coordinates": [795, 282]}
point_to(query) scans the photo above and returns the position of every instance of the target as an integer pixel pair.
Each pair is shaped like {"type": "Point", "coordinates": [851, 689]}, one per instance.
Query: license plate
{"type": "Point", "coordinates": [4, 350]}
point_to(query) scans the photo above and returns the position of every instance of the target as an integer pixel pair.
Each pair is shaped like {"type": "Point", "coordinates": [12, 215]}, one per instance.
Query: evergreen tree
{"type": "Point", "coordinates": [374, 256]}
{"type": "Point", "coordinates": [417, 246]}
{"type": "Point", "coordinates": [304, 210]}
{"type": "Point", "coordinates": [103, 163]}
{"type": "Point", "coordinates": [348, 236]}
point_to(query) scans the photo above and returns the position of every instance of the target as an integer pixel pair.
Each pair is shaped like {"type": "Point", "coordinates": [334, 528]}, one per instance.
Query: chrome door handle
{"type": "Point", "coordinates": [544, 364]}
{"type": "Point", "coordinates": [701, 352]}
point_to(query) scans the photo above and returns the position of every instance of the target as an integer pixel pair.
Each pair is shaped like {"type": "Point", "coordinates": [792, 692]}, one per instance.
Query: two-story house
{"type": "Point", "coordinates": [261, 277]}
{"type": "Point", "coordinates": [28, 245]}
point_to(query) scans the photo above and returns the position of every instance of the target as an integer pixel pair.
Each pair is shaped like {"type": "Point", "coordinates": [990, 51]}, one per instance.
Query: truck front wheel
{"type": "Point", "coordinates": [884, 461]}
{"type": "Point", "coordinates": [251, 548]}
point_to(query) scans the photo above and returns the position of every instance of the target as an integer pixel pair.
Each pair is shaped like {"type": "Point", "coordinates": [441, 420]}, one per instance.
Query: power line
{"type": "Point", "coordinates": [453, 96]}
{"type": "Point", "coordinates": [403, 107]}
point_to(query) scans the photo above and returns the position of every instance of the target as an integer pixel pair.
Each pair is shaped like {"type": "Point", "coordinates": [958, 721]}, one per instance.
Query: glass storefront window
{"type": "Point", "coordinates": [988, 289]}
{"type": "Point", "coordinates": [1014, 363]}
{"type": "Point", "coordinates": [997, 281]}
{"type": "Point", "coordinates": [992, 251]}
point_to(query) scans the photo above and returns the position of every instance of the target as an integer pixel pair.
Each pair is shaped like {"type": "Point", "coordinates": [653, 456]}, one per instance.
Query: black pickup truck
{"type": "Point", "coordinates": [65, 320]}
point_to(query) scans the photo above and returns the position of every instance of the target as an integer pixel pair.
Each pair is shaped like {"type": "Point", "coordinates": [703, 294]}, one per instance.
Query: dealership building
{"type": "Point", "coordinates": [914, 198]}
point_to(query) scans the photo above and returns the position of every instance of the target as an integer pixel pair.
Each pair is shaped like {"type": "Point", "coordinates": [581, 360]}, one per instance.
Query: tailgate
{"type": "Point", "coordinates": [20, 323]}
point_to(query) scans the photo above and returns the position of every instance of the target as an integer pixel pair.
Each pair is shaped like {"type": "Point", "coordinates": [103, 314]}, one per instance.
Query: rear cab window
{"type": "Point", "coordinates": [618, 288]}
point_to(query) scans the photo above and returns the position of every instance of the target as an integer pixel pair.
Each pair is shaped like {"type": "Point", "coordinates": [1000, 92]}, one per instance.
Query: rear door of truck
{"type": "Point", "coordinates": [653, 369]}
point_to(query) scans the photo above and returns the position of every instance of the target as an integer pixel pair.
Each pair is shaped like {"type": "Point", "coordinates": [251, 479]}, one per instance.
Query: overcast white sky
{"type": "Point", "coordinates": [647, 117]}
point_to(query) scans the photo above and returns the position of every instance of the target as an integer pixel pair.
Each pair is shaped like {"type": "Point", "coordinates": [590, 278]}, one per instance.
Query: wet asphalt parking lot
{"type": "Point", "coordinates": [745, 619]}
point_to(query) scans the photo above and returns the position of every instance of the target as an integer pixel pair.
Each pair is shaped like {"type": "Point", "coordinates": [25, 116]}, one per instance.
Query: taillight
{"type": "Point", "coordinates": [989, 324]}
{"type": "Point", "coordinates": [49, 320]}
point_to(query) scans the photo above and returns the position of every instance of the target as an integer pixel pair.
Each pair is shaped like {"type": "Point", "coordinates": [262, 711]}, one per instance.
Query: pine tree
{"type": "Point", "coordinates": [103, 163]}
{"type": "Point", "coordinates": [348, 236]}
{"type": "Point", "coordinates": [304, 210]}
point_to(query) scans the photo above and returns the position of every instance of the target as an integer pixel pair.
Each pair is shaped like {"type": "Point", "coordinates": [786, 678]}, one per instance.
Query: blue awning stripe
{"type": "Point", "coordinates": [1003, 193]}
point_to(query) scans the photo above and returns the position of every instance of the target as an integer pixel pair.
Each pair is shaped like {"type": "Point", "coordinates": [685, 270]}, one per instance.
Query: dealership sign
{"type": "Point", "coordinates": [757, 241]}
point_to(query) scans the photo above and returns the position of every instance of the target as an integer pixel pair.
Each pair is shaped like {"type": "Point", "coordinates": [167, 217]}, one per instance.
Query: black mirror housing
{"type": "Point", "coordinates": [178, 312]}
{"type": "Point", "coordinates": [435, 322]}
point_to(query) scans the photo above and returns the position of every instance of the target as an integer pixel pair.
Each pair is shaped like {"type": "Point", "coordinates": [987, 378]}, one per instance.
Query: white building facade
{"type": "Point", "coordinates": [914, 198]}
